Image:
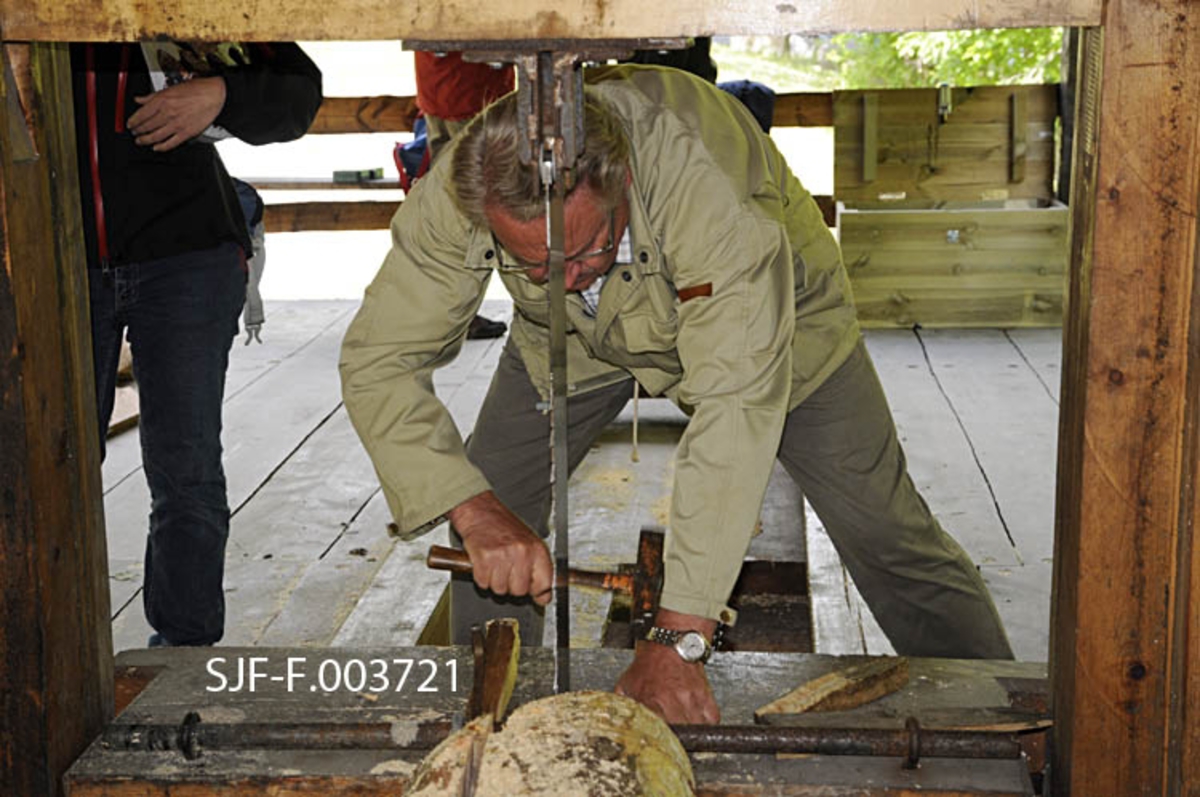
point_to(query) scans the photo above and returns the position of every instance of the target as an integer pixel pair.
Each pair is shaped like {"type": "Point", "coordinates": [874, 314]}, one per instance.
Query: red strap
{"type": "Point", "coordinates": [122, 79]}
{"type": "Point", "coordinates": [94, 156]}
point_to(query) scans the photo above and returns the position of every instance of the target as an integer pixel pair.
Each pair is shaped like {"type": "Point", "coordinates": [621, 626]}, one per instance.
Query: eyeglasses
{"type": "Point", "coordinates": [519, 266]}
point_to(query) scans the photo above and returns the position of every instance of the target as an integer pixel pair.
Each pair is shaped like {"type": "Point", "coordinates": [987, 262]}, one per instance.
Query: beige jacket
{"type": "Point", "coordinates": [716, 216]}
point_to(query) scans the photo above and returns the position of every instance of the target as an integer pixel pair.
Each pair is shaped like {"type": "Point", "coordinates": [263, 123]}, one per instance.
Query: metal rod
{"type": "Point", "coordinates": [192, 737]}
{"type": "Point", "coordinates": [904, 743]}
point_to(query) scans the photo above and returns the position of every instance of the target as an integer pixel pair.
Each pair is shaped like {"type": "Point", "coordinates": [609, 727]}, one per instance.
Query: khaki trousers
{"type": "Point", "coordinates": [841, 448]}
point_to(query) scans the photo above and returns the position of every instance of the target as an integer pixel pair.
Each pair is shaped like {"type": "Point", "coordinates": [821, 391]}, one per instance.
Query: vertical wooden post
{"type": "Point", "coordinates": [56, 666]}
{"type": "Point", "coordinates": [1126, 636]}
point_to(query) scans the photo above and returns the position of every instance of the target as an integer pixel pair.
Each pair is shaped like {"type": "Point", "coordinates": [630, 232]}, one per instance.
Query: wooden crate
{"type": "Point", "coordinates": [984, 266]}
{"type": "Point", "coordinates": [946, 209]}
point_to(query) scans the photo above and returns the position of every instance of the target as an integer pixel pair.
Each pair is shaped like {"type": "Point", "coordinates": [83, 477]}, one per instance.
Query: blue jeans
{"type": "Point", "coordinates": [181, 313]}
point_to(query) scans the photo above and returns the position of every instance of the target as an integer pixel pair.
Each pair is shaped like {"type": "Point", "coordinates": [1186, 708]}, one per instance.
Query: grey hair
{"type": "Point", "coordinates": [488, 173]}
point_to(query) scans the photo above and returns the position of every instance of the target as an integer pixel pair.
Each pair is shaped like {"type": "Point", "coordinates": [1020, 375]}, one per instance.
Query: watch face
{"type": "Point", "coordinates": [692, 646]}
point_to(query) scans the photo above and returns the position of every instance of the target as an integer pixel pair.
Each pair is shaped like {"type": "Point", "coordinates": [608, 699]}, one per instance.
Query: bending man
{"type": "Point", "coordinates": [698, 266]}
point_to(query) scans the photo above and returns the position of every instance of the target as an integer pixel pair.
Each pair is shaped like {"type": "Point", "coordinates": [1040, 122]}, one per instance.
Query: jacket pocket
{"type": "Point", "coordinates": [647, 332]}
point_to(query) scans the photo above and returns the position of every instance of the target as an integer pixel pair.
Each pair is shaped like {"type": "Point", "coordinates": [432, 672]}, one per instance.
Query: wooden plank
{"type": "Point", "coordinates": [965, 157]}
{"type": "Point", "coordinates": [388, 114]}
{"type": "Point", "coordinates": [368, 215]}
{"type": "Point", "coordinates": [1126, 679]}
{"type": "Point", "coordinates": [399, 601]}
{"type": "Point", "coordinates": [263, 426]}
{"type": "Point", "coordinates": [935, 306]}
{"type": "Point", "coordinates": [939, 454]}
{"type": "Point", "coordinates": [1022, 596]}
{"type": "Point", "coordinates": [842, 623]}
{"type": "Point", "coordinates": [1041, 349]}
{"type": "Point", "coordinates": [803, 109]}
{"type": "Point", "coordinates": [125, 410]}
{"type": "Point", "coordinates": [842, 689]}
{"type": "Point", "coordinates": [384, 114]}
{"type": "Point", "coordinates": [320, 184]}
{"type": "Point", "coordinates": [312, 20]}
{"type": "Point", "coordinates": [56, 668]}
{"type": "Point", "coordinates": [291, 326]}
{"type": "Point", "coordinates": [303, 216]}
{"type": "Point", "coordinates": [305, 514]}
{"type": "Point", "coordinates": [870, 137]}
{"type": "Point", "coordinates": [1012, 425]}
{"type": "Point", "coordinates": [1018, 145]}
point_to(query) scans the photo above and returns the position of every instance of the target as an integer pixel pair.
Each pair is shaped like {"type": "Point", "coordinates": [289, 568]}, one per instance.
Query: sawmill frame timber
{"type": "Point", "coordinates": [1125, 652]}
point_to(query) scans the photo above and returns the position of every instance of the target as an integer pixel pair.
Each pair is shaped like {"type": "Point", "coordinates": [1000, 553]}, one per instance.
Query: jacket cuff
{"type": "Point", "coordinates": [413, 522]}
{"type": "Point", "coordinates": [698, 605]}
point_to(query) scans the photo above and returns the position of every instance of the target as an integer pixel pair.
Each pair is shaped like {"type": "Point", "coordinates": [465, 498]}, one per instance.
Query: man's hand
{"type": "Point", "coordinates": [507, 557]}
{"type": "Point", "coordinates": [662, 681]}
{"type": "Point", "coordinates": [178, 113]}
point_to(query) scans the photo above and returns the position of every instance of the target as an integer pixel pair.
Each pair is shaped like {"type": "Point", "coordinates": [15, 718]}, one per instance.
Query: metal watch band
{"type": "Point", "coordinates": [671, 638]}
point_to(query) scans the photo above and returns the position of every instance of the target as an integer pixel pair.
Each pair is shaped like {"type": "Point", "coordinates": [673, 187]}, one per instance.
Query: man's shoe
{"type": "Point", "coordinates": [482, 328]}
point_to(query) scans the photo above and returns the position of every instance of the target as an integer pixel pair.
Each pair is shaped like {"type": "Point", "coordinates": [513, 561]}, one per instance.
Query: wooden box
{"type": "Point", "coordinates": [946, 210]}
{"type": "Point", "coordinates": [1001, 265]}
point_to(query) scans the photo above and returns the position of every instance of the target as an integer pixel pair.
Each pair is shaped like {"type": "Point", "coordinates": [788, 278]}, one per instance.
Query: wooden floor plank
{"type": "Point", "coordinates": [290, 327]}
{"type": "Point", "coordinates": [1022, 594]}
{"type": "Point", "coordinates": [1012, 424]}
{"type": "Point", "coordinates": [310, 563]}
{"type": "Point", "coordinates": [329, 589]}
{"type": "Point", "coordinates": [1041, 349]}
{"type": "Point", "coordinates": [938, 452]}
{"type": "Point", "coordinates": [395, 606]}
{"type": "Point", "coordinates": [842, 623]}
{"type": "Point", "coordinates": [263, 426]}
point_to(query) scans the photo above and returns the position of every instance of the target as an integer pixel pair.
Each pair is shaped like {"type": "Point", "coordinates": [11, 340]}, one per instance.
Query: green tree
{"type": "Point", "coordinates": [957, 57]}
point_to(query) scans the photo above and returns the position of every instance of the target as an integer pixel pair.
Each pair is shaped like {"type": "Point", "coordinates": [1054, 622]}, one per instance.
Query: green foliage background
{"type": "Point", "coordinates": [895, 60]}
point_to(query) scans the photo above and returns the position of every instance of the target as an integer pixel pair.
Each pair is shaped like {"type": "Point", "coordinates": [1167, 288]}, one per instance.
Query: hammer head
{"type": "Point", "coordinates": [647, 583]}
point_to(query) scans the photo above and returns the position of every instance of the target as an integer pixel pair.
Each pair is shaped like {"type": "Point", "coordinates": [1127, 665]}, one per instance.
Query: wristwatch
{"type": "Point", "coordinates": [692, 646]}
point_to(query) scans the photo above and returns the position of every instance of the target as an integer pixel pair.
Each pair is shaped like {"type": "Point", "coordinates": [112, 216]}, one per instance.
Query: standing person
{"type": "Point", "coordinates": [166, 247]}
{"type": "Point", "coordinates": [450, 91]}
{"type": "Point", "coordinates": [699, 266]}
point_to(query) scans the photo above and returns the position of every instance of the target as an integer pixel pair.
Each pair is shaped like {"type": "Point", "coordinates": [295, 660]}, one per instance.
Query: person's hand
{"type": "Point", "coordinates": [178, 113]}
{"type": "Point", "coordinates": [507, 557]}
{"type": "Point", "coordinates": [658, 678]}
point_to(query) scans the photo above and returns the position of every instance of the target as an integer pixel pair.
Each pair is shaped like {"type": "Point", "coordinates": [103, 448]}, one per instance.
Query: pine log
{"type": "Point", "coordinates": [574, 743]}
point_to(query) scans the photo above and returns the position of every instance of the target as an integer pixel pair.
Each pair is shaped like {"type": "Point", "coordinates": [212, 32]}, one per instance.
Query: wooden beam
{"type": "Point", "coordinates": [303, 20]}
{"type": "Point", "coordinates": [1125, 652]}
{"type": "Point", "coordinates": [56, 665]}
{"type": "Point", "coordinates": [365, 115]}
{"type": "Point", "coordinates": [328, 216]}
{"type": "Point", "coordinates": [368, 215]}
{"type": "Point", "coordinates": [387, 114]}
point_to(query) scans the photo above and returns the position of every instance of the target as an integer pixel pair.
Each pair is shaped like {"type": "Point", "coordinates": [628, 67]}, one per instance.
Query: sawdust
{"type": "Point", "coordinates": [612, 488]}
{"type": "Point", "coordinates": [395, 766]}
{"type": "Point", "coordinates": [222, 714]}
{"type": "Point", "coordinates": [580, 743]}
{"type": "Point", "coordinates": [661, 511]}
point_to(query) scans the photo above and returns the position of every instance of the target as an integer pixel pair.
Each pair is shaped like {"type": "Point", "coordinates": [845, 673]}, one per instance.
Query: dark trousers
{"type": "Point", "coordinates": [181, 314]}
{"type": "Point", "coordinates": [840, 447]}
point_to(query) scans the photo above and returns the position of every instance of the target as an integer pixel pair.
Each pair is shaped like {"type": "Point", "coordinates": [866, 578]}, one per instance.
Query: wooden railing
{"type": "Point", "coordinates": [388, 114]}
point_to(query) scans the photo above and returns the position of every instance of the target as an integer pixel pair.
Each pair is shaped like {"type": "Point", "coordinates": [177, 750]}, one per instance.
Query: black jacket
{"type": "Point", "coordinates": [158, 204]}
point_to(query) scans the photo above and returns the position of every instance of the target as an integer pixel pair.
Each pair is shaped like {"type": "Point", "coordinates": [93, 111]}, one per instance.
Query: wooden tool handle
{"type": "Point", "coordinates": [456, 561]}
{"type": "Point", "coordinates": [442, 558]}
